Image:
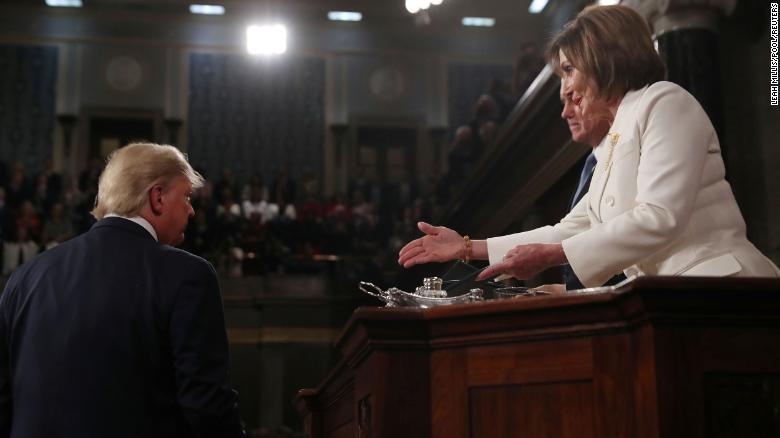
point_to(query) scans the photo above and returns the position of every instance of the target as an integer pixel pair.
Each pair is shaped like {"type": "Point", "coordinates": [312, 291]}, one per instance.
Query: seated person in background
{"type": "Point", "coordinates": [286, 210]}
{"type": "Point", "coordinates": [28, 218]}
{"type": "Point", "coordinates": [58, 228]}
{"type": "Point", "coordinates": [19, 250]}
{"type": "Point", "coordinates": [658, 203]}
{"type": "Point", "coordinates": [255, 205]}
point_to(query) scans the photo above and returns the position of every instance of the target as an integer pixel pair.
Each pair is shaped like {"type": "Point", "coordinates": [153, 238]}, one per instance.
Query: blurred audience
{"type": "Point", "coordinates": [251, 231]}
{"type": "Point", "coordinates": [250, 228]}
{"type": "Point", "coordinates": [19, 249]}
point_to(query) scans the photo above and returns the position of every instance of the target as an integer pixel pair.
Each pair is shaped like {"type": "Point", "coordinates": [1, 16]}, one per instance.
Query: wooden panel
{"type": "Point", "coordinates": [645, 388]}
{"type": "Point", "coordinates": [344, 431]}
{"type": "Point", "coordinates": [566, 359]}
{"type": "Point", "coordinates": [663, 357]}
{"type": "Point", "coordinates": [339, 412]}
{"type": "Point", "coordinates": [559, 410]}
{"type": "Point", "coordinates": [734, 348]}
{"type": "Point", "coordinates": [397, 383]}
{"type": "Point", "coordinates": [613, 377]}
{"type": "Point", "coordinates": [742, 405]}
{"type": "Point", "coordinates": [685, 355]}
{"type": "Point", "coordinates": [449, 400]}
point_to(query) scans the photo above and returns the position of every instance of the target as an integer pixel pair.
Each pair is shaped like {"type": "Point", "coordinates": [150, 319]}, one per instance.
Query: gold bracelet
{"type": "Point", "coordinates": [466, 249]}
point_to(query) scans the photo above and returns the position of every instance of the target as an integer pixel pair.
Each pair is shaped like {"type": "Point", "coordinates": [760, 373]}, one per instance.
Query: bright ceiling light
{"type": "Point", "coordinates": [266, 40]}
{"type": "Point", "coordinates": [64, 3]}
{"type": "Point", "coordinates": [479, 21]}
{"type": "Point", "coordinates": [537, 6]}
{"type": "Point", "coordinates": [207, 9]}
{"type": "Point", "coordinates": [415, 6]}
{"type": "Point", "coordinates": [344, 16]}
{"type": "Point", "coordinates": [608, 2]}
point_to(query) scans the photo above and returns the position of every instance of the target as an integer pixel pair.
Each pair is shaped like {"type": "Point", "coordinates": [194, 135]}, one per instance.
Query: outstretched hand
{"type": "Point", "coordinates": [439, 244]}
{"type": "Point", "coordinates": [525, 261]}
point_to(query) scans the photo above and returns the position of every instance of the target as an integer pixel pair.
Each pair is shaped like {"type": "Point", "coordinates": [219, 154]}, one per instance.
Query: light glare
{"type": "Point", "coordinates": [266, 40]}
{"type": "Point", "coordinates": [64, 3]}
{"type": "Point", "coordinates": [537, 6]}
{"type": "Point", "coordinates": [413, 6]}
{"type": "Point", "coordinates": [207, 9]}
{"type": "Point", "coordinates": [344, 16]}
{"type": "Point", "coordinates": [479, 21]}
{"type": "Point", "coordinates": [608, 2]}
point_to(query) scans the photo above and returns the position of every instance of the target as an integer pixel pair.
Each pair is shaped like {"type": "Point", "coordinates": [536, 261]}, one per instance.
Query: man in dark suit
{"type": "Point", "coordinates": [116, 333]}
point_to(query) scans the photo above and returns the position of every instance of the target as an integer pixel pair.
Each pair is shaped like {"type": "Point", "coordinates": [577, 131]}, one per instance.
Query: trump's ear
{"type": "Point", "coordinates": [156, 199]}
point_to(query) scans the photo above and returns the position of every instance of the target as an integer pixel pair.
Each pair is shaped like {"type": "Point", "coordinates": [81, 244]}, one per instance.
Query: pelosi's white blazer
{"type": "Point", "coordinates": [658, 203]}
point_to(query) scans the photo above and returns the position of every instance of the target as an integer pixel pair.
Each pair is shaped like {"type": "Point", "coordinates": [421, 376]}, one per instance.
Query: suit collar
{"type": "Point", "coordinates": [140, 221]}
{"type": "Point", "coordinates": [124, 224]}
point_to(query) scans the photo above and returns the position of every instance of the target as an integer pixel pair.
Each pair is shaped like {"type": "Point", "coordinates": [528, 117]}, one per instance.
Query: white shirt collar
{"type": "Point", "coordinates": [140, 221]}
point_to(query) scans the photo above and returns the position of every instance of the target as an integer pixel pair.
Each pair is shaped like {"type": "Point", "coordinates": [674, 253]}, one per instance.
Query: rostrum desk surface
{"type": "Point", "coordinates": [658, 357]}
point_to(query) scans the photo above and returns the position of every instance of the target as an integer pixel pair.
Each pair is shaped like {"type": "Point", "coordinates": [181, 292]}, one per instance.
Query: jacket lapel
{"type": "Point", "coordinates": [599, 180]}
{"type": "Point", "coordinates": [606, 151]}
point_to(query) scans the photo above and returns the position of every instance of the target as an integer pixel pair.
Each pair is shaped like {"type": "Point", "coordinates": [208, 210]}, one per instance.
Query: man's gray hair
{"type": "Point", "coordinates": [133, 170]}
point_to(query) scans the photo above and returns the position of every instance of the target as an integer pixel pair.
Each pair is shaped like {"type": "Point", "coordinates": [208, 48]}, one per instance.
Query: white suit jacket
{"type": "Point", "coordinates": [658, 204]}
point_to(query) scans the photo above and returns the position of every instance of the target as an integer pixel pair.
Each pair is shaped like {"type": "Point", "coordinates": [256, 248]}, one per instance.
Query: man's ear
{"type": "Point", "coordinates": [156, 199]}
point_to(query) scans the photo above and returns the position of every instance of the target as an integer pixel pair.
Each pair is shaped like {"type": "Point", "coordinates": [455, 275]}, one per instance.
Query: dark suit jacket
{"type": "Point", "coordinates": [112, 334]}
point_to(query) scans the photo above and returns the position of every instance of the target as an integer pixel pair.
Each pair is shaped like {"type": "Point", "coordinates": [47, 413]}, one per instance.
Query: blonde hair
{"type": "Point", "coordinates": [133, 170]}
{"type": "Point", "coordinates": [613, 46]}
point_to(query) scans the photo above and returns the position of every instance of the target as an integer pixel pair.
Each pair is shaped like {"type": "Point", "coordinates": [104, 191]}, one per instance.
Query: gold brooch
{"type": "Point", "coordinates": [613, 140]}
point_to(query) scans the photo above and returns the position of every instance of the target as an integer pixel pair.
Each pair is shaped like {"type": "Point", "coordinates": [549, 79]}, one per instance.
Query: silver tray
{"type": "Point", "coordinates": [395, 297]}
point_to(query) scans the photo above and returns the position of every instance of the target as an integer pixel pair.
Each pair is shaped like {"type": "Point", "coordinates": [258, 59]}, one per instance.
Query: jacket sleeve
{"type": "Point", "coordinates": [7, 309]}
{"type": "Point", "coordinates": [673, 134]}
{"type": "Point", "coordinates": [576, 221]}
{"type": "Point", "coordinates": [200, 352]}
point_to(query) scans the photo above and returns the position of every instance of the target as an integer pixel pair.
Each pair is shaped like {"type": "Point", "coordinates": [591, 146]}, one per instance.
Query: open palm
{"type": "Point", "coordinates": [439, 244]}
